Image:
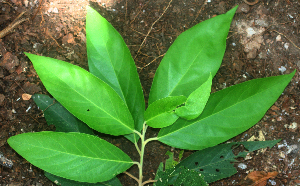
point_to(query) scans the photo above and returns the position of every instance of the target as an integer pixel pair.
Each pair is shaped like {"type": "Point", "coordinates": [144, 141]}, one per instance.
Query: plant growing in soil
{"type": "Point", "coordinates": [109, 99]}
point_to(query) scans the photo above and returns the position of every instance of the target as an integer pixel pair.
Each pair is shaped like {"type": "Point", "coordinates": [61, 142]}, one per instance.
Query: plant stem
{"type": "Point", "coordinates": [131, 176]}
{"type": "Point", "coordinates": [141, 151]}
{"type": "Point", "coordinates": [150, 139]}
{"type": "Point", "coordinates": [142, 154]}
{"type": "Point", "coordinates": [149, 181]}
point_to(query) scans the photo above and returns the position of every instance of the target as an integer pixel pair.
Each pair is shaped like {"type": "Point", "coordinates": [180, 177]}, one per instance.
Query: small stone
{"type": "Point", "coordinates": [291, 148]}
{"type": "Point", "coordinates": [26, 3]}
{"type": "Point", "coordinates": [281, 154]}
{"type": "Point", "coordinates": [282, 69]}
{"type": "Point", "coordinates": [252, 54]}
{"type": "Point", "coordinates": [38, 47]}
{"type": "Point", "coordinates": [242, 166]}
{"type": "Point", "coordinates": [26, 97]}
{"type": "Point", "coordinates": [243, 8]}
{"type": "Point", "coordinates": [55, 10]}
{"type": "Point", "coordinates": [69, 38]}
{"type": "Point", "coordinates": [263, 55]}
{"type": "Point", "coordinates": [278, 38]}
{"type": "Point", "coordinates": [261, 22]}
{"type": "Point", "coordinates": [82, 37]}
{"type": "Point", "coordinates": [250, 32]}
{"type": "Point", "coordinates": [31, 88]}
{"type": "Point", "coordinates": [286, 45]}
{"type": "Point", "coordinates": [9, 62]}
{"type": "Point", "coordinates": [293, 125]}
{"type": "Point", "coordinates": [221, 8]}
{"type": "Point", "coordinates": [151, 75]}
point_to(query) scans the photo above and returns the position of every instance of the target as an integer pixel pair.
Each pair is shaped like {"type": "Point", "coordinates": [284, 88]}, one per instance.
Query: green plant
{"type": "Point", "coordinates": [109, 99]}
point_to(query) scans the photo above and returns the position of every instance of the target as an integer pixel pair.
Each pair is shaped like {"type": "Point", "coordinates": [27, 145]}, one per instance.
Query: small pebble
{"type": "Point", "coordinates": [293, 125]}
{"type": "Point", "coordinates": [55, 10]}
{"type": "Point", "coordinates": [282, 69]}
{"type": "Point", "coordinates": [250, 32]}
{"type": "Point", "coordinates": [278, 38]}
{"type": "Point", "coordinates": [286, 45]}
{"type": "Point", "coordinates": [242, 166]}
{"type": "Point", "coordinates": [243, 8]}
{"type": "Point", "coordinates": [26, 3]}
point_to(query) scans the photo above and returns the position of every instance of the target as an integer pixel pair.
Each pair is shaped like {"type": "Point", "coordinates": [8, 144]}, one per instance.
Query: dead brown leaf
{"type": "Point", "coordinates": [26, 97]}
{"type": "Point", "coordinates": [259, 178]}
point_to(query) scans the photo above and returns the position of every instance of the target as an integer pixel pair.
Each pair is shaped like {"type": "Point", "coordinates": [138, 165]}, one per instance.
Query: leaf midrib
{"type": "Point", "coordinates": [192, 63]}
{"type": "Point", "coordinates": [216, 112]}
{"type": "Point", "coordinates": [90, 101]}
{"type": "Point", "coordinates": [76, 155]}
{"type": "Point", "coordinates": [110, 61]}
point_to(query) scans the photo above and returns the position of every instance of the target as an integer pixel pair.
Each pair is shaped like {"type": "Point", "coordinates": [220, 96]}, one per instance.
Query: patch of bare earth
{"type": "Point", "coordinates": [263, 41]}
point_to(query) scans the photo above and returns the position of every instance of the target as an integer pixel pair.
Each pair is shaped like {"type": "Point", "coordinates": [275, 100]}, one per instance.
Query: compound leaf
{"type": "Point", "coordinates": [56, 114]}
{"type": "Point", "coordinates": [161, 112]}
{"type": "Point", "coordinates": [196, 101]}
{"type": "Point", "coordinates": [75, 156]}
{"type": "Point", "coordinates": [195, 54]}
{"type": "Point", "coordinates": [110, 60]}
{"type": "Point", "coordinates": [84, 95]}
{"type": "Point", "coordinates": [228, 113]}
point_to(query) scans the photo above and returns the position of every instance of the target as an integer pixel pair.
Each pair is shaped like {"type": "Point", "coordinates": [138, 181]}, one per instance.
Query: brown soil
{"type": "Point", "coordinates": [263, 41]}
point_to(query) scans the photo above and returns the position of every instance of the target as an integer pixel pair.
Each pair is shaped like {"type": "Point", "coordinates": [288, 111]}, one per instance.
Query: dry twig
{"type": "Point", "coordinates": [47, 32]}
{"type": "Point", "coordinates": [286, 38]}
{"type": "Point", "coordinates": [141, 68]}
{"type": "Point", "coordinates": [139, 11]}
{"type": "Point", "coordinates": [39, 7]}
{"type": "Point", "coordinates": [12, 25]}
{"type": "Point", "coordinates": [251, 3]}
{"type": "Point", "coordinates": [198, 13]}
{"type": "Point", "coordinates": [152, 28]}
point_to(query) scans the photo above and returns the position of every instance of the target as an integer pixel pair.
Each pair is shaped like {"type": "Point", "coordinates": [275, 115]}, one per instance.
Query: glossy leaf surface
{"type": "Point", "coordinates": [161, 112]}
{"type": "Point", "coordinates": [65, 182]}
{"type": "Point", "coordinates": [228, 113]}
{"type": "Point", "coordinates": [195, 54]}
{"type": "Point", "coordinates": [75, 156]}
{"type": "Point", "coordinates": [84, 95]}
{"type": "Point", "coordinates": [55, 114]}
{"type": "Point", "coordinates": [196, 101]}
{"type": "Point", "coordinates": [110, 60]}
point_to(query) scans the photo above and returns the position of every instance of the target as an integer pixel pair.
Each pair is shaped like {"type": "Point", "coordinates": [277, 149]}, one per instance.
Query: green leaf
{"type": "Point", "coordinates": [228, 113]}
{"type": "Point", "coordinates": [196, 102]}
{"type": "Point", "coordinates": [75, 156]}
{"type": "Point", "coordinates": [170, 161]}
{"type": "Point", "coordinates": [161, 112]}
{"type": "Point", "coordinates": [159, 169]}
{"type": "Point", "coordinates": [215, 163]}
{"type": "Point", "coordinates": [110, 60]}
{"type": "Point", "coordinates": [195, 54]}
{"type": "Point", "coordinates": [56, 114]}
{"type": "Point", "coordinates": [184, 177]}
{"type": "Point", "coordinates": [65, 182]}
{"type": "Point", "coordinates": [84, 95]}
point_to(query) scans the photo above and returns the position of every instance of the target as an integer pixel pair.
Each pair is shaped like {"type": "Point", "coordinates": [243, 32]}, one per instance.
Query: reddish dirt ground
{"type": "Point", "coordinates": [264, 41]}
